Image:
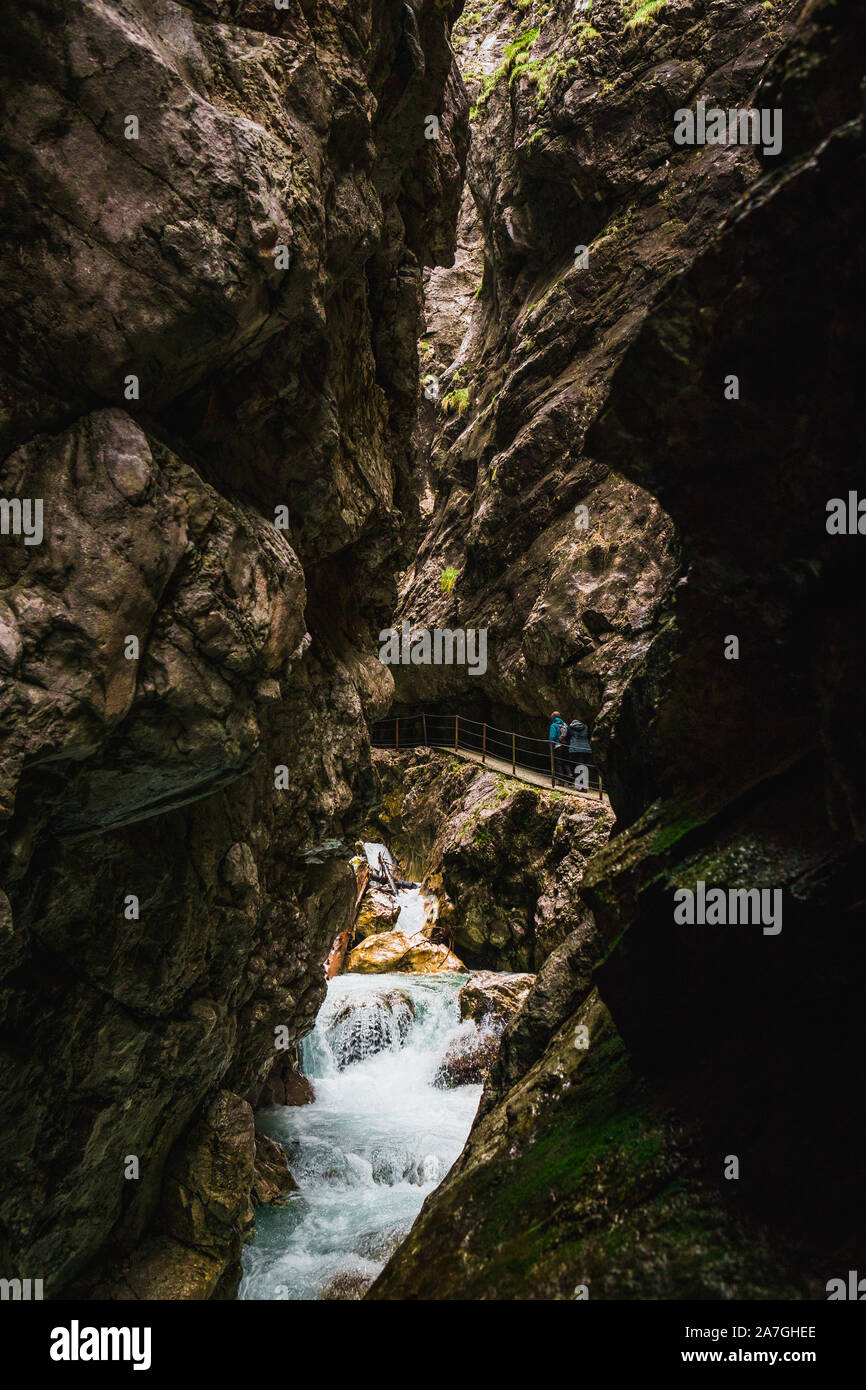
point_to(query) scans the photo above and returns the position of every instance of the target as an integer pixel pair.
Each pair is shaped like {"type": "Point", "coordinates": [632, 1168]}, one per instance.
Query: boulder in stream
{"type": "Point", "coordinates": [368, 1024]}
{"type": "Point", "coordinates": [379, 1244]}
{"type": "Point", "coordinates": [427, 958]}
{"type": "Point", "coordinates": [271, 1176]}
{"type": "Point", "coordinates": [349, 1284]}
{"type": "Point", "coordinates": [396, 950]}
{"type": "Point", "coordinates": [494, 998]}
{"type": "Point", "coordinates": [468, 1059]}
{"type": "Point", "coordinates": [378, 913]}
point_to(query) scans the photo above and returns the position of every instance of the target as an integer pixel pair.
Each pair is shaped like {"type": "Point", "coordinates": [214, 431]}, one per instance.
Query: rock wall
{"type": "Point", "coordinates": [640, 1066]}
{"type": "Point", "coordinates": [759, 759]}
{"type": "Point", "coordinates": [217, 214]}
{"type": "Point", "coordinates": [580, 210]}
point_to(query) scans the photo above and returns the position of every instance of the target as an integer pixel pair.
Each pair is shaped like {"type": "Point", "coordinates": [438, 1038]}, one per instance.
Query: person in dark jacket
{"type": "Point", "coordinates": [579, 750]}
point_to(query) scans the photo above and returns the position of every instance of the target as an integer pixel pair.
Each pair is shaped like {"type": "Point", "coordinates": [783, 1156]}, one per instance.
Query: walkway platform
{"type": "Point", "coordinates": [499, 765]}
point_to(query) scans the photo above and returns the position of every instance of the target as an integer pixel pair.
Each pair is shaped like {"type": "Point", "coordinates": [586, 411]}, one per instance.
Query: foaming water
{"type": "Point", "coordinates": [376, 1140]}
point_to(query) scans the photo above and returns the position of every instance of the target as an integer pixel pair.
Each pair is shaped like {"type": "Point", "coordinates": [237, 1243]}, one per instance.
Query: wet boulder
{"type": "Point", "coordinates": [361, 1027]}
{"type": "Point", "coordinates": [396, 950]}
{"type": "Point", "coordinates": [318, 1162]}
{"type": "Point", "coordinates": [494, 999]}
{"type": "Point", "coordinates": [348, 1285]}
{"type": "Point", "coordinates": [392, 1164]}
{"type": "Point", "coordinates": [426, 958]}
{"type": "Point", "coordinates": [378, 913]}
{"type": "Point", "coordinates": [271, 1177]}
{"type": "Point", "coordinates": [468, 1059]}
{"type": "Point", "coordinates": [379, 1244]}
{"type": "Point", "coordinates": [378, 954]}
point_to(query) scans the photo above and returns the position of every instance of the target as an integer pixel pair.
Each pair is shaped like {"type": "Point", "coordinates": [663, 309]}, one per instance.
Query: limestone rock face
{"type": "Point", "coordinates": [205, 1215]}
{"type": "Point", "coordinates": [759, 760]}
{"type": "Point", "coordinates": [560, 986]}
{"type": "Point", "coordinates": [211, 593]}
{"type": "Point", "coordinates": [285, 1084]}
{"type": "Point", "coordinates": [581, 1138]}
{"type": "Point", "coordinates": [217, 218]}
{"type": "Point", "coordinates": [211, 1175]}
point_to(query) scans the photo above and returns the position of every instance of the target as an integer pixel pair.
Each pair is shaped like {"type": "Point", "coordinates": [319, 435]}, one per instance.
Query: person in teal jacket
{"type": "Point", "coordinates": [555, 735]}
{"type": "Point", "coordinates": [557, 724]}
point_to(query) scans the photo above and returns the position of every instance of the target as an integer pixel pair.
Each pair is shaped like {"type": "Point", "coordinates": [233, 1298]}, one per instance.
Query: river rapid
{"type": "Point", "coordinates": [378, 1137]}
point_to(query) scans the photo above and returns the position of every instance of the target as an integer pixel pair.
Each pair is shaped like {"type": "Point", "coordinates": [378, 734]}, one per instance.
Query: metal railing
{"type": "Point", "coordinates": [459, 734]}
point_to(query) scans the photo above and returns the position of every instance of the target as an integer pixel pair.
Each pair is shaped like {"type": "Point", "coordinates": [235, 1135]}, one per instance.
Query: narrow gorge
{"type": "Point", "coordinates": [432, 847]}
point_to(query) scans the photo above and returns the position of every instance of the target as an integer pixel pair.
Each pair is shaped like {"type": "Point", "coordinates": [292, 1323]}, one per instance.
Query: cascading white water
{"type": "Point", "coordinates": [411, 918]}
{"type": "Point", "coordinates": [378, 1137]}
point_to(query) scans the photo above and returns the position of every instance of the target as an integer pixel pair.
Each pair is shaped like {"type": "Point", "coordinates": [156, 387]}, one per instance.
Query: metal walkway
{"type": "Point", "coordinates": [529, 760]}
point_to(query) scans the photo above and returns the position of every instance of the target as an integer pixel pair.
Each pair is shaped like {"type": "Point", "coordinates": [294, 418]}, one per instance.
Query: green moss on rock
{"type": "Point", "coordinates": [582, 1175]}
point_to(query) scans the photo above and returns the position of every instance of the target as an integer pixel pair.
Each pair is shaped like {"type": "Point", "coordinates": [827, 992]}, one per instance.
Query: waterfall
{"type": "Point", "coordinates": [411, 917]}
{"type": "Point", "coordinates": [378, 1137]}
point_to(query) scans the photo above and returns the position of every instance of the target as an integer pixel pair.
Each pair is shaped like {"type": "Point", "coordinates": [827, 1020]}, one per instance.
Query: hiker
{"type": "Point", "coordinates": [557, 737]}
{"type": "Point", "coordinates": [579, 750]}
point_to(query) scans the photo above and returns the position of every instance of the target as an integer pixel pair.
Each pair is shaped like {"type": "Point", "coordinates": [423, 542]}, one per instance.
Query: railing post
{"type": "Point", "coordinates": [456, 731]}
{"type": "Point", "coordinates": [424, 727]}
{"type": "Point", "coordinates": [483, 744]}
{"type": "Point", "coordinates": [599, 785]}
{"type": "Point", "coordinates": [552, 768]}
{"type": "Point", "coordinates": [397, 734]}
{"type": "Point", "coordinates": [513, 754]}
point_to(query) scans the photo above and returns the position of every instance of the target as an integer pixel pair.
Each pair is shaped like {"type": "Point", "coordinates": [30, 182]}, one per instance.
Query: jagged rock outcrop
{"type": "Point", "coordinates": [216, 216]}
{"type": "Point", "coordinates": [761, 777]}
{"type": "Point", "coordinates": [601, 1159]}
{"type": "Point", "coordinates": [205, 1215]}
{"type": "Point", "coordinates": [284, 1083]}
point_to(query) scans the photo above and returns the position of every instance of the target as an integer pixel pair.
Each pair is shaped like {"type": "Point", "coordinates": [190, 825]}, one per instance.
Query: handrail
{"type": "Point", "coordinates": [528, 738]}
{"type": "Point", "coordinates": [457, 738]}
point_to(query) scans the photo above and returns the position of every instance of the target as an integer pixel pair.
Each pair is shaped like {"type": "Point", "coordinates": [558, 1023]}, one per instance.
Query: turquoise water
{"type": "Point", "coordinates": [377, 1139]}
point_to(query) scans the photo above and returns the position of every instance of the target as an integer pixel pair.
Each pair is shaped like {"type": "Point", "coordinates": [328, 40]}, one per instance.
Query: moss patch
{"type": "Point", "coordinates": [645, 13]}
